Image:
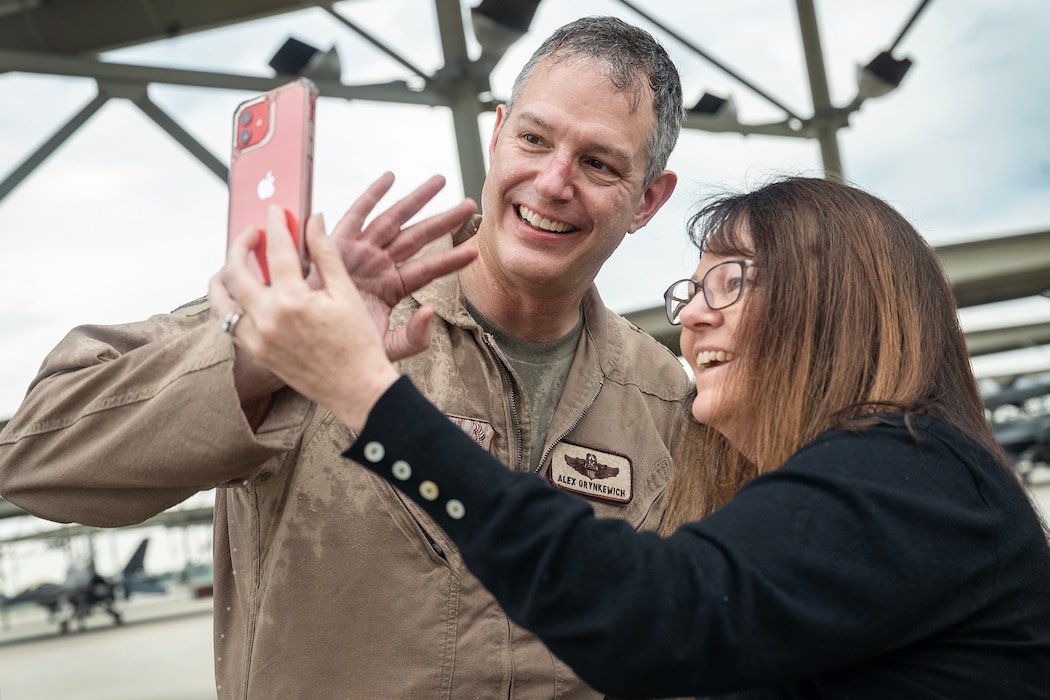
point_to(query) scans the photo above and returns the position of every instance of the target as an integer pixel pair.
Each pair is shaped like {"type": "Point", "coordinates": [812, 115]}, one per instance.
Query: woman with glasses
{"type": "Point", "coordinates": [841, 525]}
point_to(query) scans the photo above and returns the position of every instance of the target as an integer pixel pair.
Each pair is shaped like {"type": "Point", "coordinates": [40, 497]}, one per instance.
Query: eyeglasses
{"type": "Point", "coordinates": [723, 286]}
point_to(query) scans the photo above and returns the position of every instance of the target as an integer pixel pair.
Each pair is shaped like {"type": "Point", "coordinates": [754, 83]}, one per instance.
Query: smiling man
{"type": "Point", "coordinates": [327, 582]}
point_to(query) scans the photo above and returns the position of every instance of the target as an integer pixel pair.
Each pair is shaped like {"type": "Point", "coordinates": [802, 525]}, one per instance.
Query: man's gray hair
{"type": "Point", "coordinates": [629, 54]}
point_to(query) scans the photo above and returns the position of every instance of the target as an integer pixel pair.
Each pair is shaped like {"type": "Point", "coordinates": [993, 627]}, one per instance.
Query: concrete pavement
{"type": "Point", "coordinates": [163, 651]}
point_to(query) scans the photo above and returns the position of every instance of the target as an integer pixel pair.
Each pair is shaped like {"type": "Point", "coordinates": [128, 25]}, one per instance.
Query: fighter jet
{"type": "Point", "coordinates": [1026, 435]}
{"type": "Point", "coordinates": [85, 589]}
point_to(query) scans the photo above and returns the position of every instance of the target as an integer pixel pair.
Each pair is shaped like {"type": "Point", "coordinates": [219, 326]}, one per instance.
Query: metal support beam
{"type": "Point", "coordinates": [826, 128]}
{"type": "Point", "coordinates": [174, 130]}
{"type": "Point", "coordinates": [131, 82]}
{"type": "Point", "coordinates": [998, 269]}
{"type": "Point", "coordinates": [461, 87]}
{"type": "Point", "coordinates": [30, 164]}
{"type": "Point", "coordinates": [138, 94]}
{"type": "Point", "coordinates": [713, 61]}
{"type": "Point", "coordinates": [75, 66]}
{"type": "Point", "coordinates": [373, 41]}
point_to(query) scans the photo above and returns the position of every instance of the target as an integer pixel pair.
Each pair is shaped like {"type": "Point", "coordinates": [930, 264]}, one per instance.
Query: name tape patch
{"type": "Point", "coordinates": [592, 472]}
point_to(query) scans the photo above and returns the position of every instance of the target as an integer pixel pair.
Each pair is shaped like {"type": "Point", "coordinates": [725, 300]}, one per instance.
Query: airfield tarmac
{"type": "Point", "coordinates": [163, 651]}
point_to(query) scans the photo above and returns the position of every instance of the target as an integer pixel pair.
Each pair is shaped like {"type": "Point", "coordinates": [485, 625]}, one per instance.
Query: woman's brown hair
{"type": "Point", "coordinates": [849, 314]}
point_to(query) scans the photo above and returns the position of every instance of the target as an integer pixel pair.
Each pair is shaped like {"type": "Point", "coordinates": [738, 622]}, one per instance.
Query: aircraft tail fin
{"type": "Point", "coordinates": [136, 564]}
{"type": "Point", "coordinates": [134, 577]}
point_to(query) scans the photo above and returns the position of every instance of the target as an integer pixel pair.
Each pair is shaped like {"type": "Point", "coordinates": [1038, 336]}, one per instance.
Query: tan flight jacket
{"type": "Point", "coordinates": [328, 584]}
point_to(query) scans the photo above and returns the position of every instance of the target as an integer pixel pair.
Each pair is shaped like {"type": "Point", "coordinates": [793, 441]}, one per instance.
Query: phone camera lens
{"type": "Point", "coordinates": [246, 136]}
{"type": "Point", "coordinates": [246, 117]}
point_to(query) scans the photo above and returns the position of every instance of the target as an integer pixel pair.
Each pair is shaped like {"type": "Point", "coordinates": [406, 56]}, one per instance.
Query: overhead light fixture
{"type": "Point", "coordinates": [715, 107]}
{"type": "Point", "coordinates": [499, 23]}
{"type": "Point", "coordinates": [883, 74]}
{"type": "Point", "coordinates": [299, 58]}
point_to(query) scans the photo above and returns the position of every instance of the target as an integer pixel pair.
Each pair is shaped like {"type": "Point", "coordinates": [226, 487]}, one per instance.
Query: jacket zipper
{"type": "Point", "coordinates": [512, 397]}
{"type": "Point", "coordinates": [579, 419]}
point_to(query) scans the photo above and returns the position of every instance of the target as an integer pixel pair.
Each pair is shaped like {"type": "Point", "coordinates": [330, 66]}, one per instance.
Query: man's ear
{"type": "Point", "coordinates": [501, 115]}
{"type": "Point", "coordinates": [654, 197]}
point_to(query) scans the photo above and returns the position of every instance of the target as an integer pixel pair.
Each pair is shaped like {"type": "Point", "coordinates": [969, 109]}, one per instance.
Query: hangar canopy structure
{"type": "Point", "coordinates": [65, 38]}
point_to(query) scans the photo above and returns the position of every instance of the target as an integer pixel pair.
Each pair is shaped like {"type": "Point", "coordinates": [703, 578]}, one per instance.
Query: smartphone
{"type": "Point", "coordinates": [272, 163]}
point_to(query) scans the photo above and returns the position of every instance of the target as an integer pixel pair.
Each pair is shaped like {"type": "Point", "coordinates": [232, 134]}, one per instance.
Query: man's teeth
{"type": "Point", "coordinates": [539, 222]}
{"type": "Point", "coordinates": [709, 358]}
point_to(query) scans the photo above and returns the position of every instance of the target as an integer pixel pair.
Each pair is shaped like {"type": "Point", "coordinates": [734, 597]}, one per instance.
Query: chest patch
{"type": "Point", "coordinates": [591, 472]}
{"type": "Point", "coordinates": [479, 431]}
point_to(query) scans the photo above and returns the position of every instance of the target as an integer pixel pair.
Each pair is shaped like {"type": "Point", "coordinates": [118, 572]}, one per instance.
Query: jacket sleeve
{"type": "Point", "coordinates": [122, 422]}
{"type": "Point", "coordinates": [856, 546]}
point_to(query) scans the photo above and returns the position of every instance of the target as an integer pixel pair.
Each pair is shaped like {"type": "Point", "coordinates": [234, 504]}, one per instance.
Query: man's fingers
{"type": "Point", "coordinates": [388, 224]}
{"type": "Point", "coordinates": [413, 238]}
{"type": "Point", "coordinates": [413, 339]}
{"type": "Point", "coordinates": [420, 272]}
{"type": "Point", "coordinates": [351, 223]}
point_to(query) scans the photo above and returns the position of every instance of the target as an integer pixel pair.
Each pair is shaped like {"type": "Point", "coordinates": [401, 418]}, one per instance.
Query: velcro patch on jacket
{"type": "Point", "coordinates": [479, 431]}
{"type": "Point", "coordinates": [192, 308]}
{"type": "Point", "coordinates": [592, 472]}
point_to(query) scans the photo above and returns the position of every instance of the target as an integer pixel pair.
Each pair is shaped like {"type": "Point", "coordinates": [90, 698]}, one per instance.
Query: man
{"type": "Point", "coordinates": [327, 583]}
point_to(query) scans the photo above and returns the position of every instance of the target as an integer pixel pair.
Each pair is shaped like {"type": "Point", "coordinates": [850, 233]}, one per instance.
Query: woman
{"type": "Point", "coordinates": [844, 524]}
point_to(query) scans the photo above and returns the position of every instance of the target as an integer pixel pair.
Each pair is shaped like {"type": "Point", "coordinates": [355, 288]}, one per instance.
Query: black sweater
{"type": "Point", "coordinates": [869, 565]}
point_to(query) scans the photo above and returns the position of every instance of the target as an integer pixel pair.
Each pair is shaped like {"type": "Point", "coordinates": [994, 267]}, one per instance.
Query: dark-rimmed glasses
{"type": "Point", "coordinates": [723, 286]}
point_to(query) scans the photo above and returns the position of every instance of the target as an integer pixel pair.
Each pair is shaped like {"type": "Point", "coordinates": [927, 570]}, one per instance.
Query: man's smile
{"type": "Point", "coordinates": [537, 221]}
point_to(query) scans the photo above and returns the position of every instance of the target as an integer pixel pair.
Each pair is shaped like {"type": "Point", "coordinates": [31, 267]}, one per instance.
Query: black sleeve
{"type": "Point", "coordinates": [858, 545]}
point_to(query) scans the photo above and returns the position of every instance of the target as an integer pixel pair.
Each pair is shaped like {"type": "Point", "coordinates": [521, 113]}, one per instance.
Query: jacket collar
{"type": "Point", "coordinates": [445, 293]}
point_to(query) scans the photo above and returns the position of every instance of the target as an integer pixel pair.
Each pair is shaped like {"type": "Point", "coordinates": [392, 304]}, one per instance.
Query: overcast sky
{"type": "Point", "coordinates": [121, 223]}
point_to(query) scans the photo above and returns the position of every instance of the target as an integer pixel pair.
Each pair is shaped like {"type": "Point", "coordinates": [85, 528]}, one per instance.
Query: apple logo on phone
{"type": "Point", "coordinates": [266, 187]}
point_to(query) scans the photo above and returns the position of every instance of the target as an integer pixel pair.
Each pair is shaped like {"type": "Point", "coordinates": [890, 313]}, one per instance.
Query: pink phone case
{"type": "Point", "coordinates": [272, 162]}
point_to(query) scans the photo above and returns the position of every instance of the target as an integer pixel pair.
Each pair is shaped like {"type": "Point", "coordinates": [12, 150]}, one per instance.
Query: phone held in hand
{"type": "Point", "coordinates": [272, 163]}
